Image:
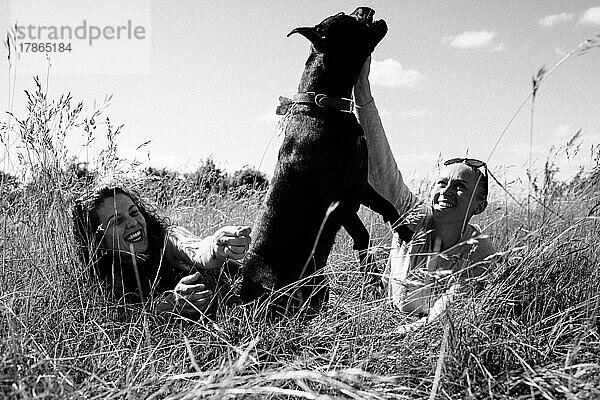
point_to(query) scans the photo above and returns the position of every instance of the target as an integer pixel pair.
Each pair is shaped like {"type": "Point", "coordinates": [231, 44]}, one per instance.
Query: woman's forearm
{"type": "Point", "coordinates": [228, 242]}
{"type": "Point", "coordinates": [362, 92]}
{"type": "Point", "coordinates": [193, 250]}
{"type": "Point", "coordinates": [384, 175]}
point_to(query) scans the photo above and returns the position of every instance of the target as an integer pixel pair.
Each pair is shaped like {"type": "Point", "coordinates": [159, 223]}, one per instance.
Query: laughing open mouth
{"type": "Point", "coordinates": [445, 204]}
{"type": "Point", "coordinates": [134, 237]}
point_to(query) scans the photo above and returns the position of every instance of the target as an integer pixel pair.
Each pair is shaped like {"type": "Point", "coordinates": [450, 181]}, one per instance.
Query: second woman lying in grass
{"type": "Point", "coordinates": [140, 258]}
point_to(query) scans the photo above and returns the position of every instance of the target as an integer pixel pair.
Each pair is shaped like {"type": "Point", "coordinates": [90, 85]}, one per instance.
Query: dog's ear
{"type": "Point", "coordinates": [312, 34]}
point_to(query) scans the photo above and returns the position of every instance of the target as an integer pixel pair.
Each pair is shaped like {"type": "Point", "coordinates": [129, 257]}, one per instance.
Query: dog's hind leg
{"type": "Point", "coordinates": [380, 205]}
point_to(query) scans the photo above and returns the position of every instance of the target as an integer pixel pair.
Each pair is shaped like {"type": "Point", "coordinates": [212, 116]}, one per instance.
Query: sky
{"type": "Point", "coordinates": [205, 78]}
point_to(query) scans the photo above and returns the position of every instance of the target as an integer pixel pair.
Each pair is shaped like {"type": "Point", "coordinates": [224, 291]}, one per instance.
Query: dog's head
{"type": "Point", "coordinates": [346, 37]}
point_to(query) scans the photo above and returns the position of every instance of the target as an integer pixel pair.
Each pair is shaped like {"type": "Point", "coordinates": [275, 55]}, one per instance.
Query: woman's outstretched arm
{"type": "Point", "coordinates": [384, 175]}
{"type": "Point", "coordinates": [229, 242]}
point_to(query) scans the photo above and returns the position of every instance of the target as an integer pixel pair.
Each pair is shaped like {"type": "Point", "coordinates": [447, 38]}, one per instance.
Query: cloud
{"type": "Point", "coordinates": [383, 112]}
{"type": "Point", "coordinates": [560, 52]}
{"type": "Point", "coordinates": [470, 39]}
{"type": "Point", "coordinates": [390, 73]}
{"type": "Point", "coordinates": [564, 132]}
{"type": "Point", "coordinates": [593, 139]}
{"type": "Point", "coordinates": [554, 19]}
{"type": "Point", "coordinates": [417, 167]}
{"type": "Point", "coordinates": [499, 47]}
{"type": "Point", "coordinates": [269, 116]}
{"type": "Point", "coordinates": [415, 113]}
{"type": "Point", "coordinates": [591, 16]}
{"type": "Point", "coordinates": [521, 150]}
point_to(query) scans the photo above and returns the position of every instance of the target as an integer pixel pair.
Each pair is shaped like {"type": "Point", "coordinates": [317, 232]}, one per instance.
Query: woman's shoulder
{"type": "Point", "coordinates": [186, 247]}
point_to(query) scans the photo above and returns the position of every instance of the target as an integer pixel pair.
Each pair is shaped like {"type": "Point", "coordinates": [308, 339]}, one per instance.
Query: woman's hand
{"type": "Point", "coordinates": [189, 298]}
{"type": "Point", "coordinates": [362, 88]}
{"type": "Point", "coordinates": [232, 242]}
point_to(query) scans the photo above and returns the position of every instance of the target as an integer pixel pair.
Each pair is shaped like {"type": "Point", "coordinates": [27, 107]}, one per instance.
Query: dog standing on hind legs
{"type": "Point", "coordinates": [322, 162]}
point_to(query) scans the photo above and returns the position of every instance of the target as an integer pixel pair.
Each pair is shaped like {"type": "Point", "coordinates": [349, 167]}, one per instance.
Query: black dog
{"type": "Point", "coordinates": [320, 179]}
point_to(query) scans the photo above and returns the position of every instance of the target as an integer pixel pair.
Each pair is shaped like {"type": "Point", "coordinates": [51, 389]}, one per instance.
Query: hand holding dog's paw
{"type": "Point", "coordinates": [232, 242]}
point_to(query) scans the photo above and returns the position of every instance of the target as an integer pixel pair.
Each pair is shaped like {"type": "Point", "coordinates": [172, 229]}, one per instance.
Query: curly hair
{"type": "Point", "coordinates": [106, 264]}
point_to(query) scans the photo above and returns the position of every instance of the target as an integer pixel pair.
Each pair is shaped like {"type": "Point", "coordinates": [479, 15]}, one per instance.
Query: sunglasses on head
{"type": "Point", "coordinates": [470, 162]}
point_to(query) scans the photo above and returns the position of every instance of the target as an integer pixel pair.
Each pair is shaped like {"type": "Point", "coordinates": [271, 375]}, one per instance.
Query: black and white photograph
{"type": "Point", "coordinates": [299, 200]}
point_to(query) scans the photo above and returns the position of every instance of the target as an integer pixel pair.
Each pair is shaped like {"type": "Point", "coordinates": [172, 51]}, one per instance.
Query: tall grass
{"type": "Point", "coordinates": [533, 333]}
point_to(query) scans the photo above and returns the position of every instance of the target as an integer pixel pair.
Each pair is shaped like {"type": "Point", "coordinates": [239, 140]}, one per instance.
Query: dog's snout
{"type": "Point", "coordinates": [364, 15]}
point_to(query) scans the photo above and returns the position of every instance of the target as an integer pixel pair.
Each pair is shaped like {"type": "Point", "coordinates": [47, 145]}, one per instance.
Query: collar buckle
{"type": "Point", "coordinates": [322, 100]}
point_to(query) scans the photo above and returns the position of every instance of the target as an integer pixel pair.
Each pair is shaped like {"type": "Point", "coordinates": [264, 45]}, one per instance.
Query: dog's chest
{"type": "Point", "coordinates": [328, 130]}
{"type": "Point", "coordinates": [316, 146]}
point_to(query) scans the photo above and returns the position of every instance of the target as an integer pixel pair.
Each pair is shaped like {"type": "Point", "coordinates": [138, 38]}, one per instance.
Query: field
{"type": "Point", "coordinates": [532, 333]}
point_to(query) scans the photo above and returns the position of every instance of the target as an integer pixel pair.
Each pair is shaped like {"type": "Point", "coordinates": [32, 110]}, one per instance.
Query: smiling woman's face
{"type": "Point", "coordinates": [123, 224]}
{"type": "Point", "coordinates": [452, 196]}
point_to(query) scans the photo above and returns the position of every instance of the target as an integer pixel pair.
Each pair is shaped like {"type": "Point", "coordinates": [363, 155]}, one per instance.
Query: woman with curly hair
{"type": "Point", "coordinates": [139, 257]}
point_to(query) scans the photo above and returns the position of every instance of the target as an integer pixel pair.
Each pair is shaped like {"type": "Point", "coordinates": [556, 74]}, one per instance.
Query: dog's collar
{"type": "Point", "coordinates": [318, 99]}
